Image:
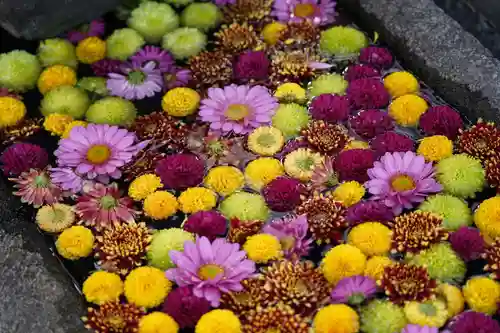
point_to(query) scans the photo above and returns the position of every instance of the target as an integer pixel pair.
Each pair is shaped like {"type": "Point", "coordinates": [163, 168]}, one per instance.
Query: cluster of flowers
{"type": "Point", "coordinates": [295, 179]}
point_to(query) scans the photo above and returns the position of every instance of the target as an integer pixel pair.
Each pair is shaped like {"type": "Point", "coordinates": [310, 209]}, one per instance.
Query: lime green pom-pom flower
{"type": "Point", "coordinates": [328, 84]}
{"type": "Point", "coordinates": [184, 42]}
{"type": "Point", "coordinates": [245, 206]}
{"type": "Point", "coordinates": [290, 119]}
{"type": "Point", "coordinates": [68, 100]}
{"type": "Point", "coordinates": [381, 316]}
{"type": "Point", "coordinates": [153, 20]}
{"type": "Point", "coordinates": [342, 41]}
{"type": "Point", "coordinates": [57, 51]}
{"type": "Point", "coordinates": [113, 111]}
{"type": "Point", "coordinates": [454, 211]}
{"type": "Point", "coordinates": [163, 242]}
{"type": "Point", "coordinates": [178, 3]}
{"type": "Point", "coordinates": [123, 43]}
{"type": "Point", "coordinates": [19, 70]}
{"type": "Point", "coordinates": [442, 263]}
{"type": "Point", "coordinates": [93, 84]}
{"type": "Point", "coordinates": [201, 15]}
{"type": "Point", "coordinates": [461, 175]}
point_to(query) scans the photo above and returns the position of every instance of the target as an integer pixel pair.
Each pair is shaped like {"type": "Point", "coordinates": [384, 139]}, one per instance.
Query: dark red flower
{"type": "Point", "coordinates": [370, 123]}
{"type": "Point", "coordinates": [283, 194]}
{"type": "Point", "coordinates": [206, 223]}
{"type": "Point", "coordinates": [180, 171]}
{"type": "Point", "coordinates": [467, 243]}
{"type": "Point", "coordinates": [369, 211]}
{"type": "Point", "coordinates": [474, 322]}
{"type": "Point", "coordinates": [330, 108]}
{"type": "Point", "coordinates": [378, 57]}
{"type": "Point", "coordinates": [481, 141]}
{"type": "Point", "coordinates": [21, 157]}
{"type": "Point", "coordinates": [353, 164]}
{"type": "Point", "coordinates": [441, 120]}
{"type": "Point", "coordinates": [184, 307]}
{"type": "Point", "coordinates": [391, 142]}
{"type": "Point", "coordinates": [368, 93]}
{"type": "Point", "coordinates": [252, 65]}
{"type": "Point", "coordinates": [355, 72]}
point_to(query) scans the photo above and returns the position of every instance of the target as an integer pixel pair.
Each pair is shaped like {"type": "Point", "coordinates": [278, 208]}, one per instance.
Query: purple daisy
{"type": "Point", "coordinates": [98, 151]}
{"type": "Point", "coordinates": [211, 268]}
{"type": "Point", "coordinates": [412, 328]}
{"type": "Point", "coordinates": [176, 77]}
{"type": "Point", "coordinates": [136, 81]}
{"type": "Point", "coordinates": [354, 290]}
{"type": "Point", "coordinates": [401, 180]}
{"type": "Point", "coordinates": [319, 12]}
{"type": "Point", "coordinates": [238, 109]}
{"type": "Point", "coordinates": [94, 28]}
{"type": "Point", "coordinates": [67, 179]}
{"type": "Point", "coordinates": [161, 58]}
{"type": "Point", "coordinates": [292, 234]}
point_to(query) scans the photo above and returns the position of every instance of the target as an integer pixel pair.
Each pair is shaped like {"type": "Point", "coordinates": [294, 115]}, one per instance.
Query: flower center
{"type": "Point", "coordinates": [210, 271]}
{"type": "Point", "coordinates": [116, 322]}
{"type": "Point", "coordinates": [266, 140]}
{"type": "Point", "coordinates": [305, 163]}
{"type": "Point", "coordinates": [427, 309]}
{"type": "Point", "coordinates": [41, 181]}
{"type": "Point", "coordinates": [356, 299]}
{"type": "Point", "coordinates": [216, 148]}
{"type": "Point", "coordinates": [301, 286]}
{"type": "Point", "coordinates": [242, 298]}
{"type": "Point", "coordinates": [136, 77]}
{"type": "Point", "coordinates": [237, 111]}
{"type": "Point", "coordinates": [304, 10]}
{"type": "Point", "coordinates": [287, 243]}
{"type": "Point", "coordinates": [108, 202]}
{"type": "Point", "coordinates": [401, 183]}
{"type": "Point", "coordinates": [273, 330]}
{"type": "Point", "coordinates": [98, 154]}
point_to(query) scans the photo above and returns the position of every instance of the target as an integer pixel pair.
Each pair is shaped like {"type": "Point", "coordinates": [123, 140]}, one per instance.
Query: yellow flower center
{"type": "Point", "coordinates": [401, 183]}
{"type": "Point", "coordinates": [237, 111]}
{"type": "Point", "coordinates": [428, 309]}
{"type": "Point", "coordinates": [210, 271]}
{"type": "Point", "coordinates": [116, 322]}
{"type": "Point", "coordinates": [98, 154]}
{"type": "Point", "coordinates": [304, 10]}
{"type": "Point", "coordinates": [273, 330]}
{"type": "Point", "coordinates": [266, 140]}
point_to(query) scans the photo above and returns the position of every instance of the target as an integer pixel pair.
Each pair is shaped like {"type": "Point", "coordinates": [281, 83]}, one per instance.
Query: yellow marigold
{"type": "Point", "coordinates": [301, 163]}
{"type": "Point", "coordinates": [452, 296]}
{"type": "Point", "coordinates": [12, 111]}
{"type": "Point", "coordinates": [356, 144]}
{"type": "Point", "coordinates": [349, 193]}
{"type": "Point", "coordinates": [272, 31]}
{"type": "Point", "coordinates": [218, 321]}
{"type": "Point", "coordinates": [56, 76]}
{"type": "Point", "coordinates": [147, 286]}
{"type": "Point", "coordinates": [195, 199]}
{"type": "Point", "coordinates": [71, 125]}
{"type": "Point", "coordinates": [143, 186]}
{"type": "Point", "coordinates": [482, 294]}
{"type": "Point", "coordinates": [487, 217]}
{"type": "Point", "coordinates": [101, 287]}
{"type": "Point", "coordinates": [75, 242]}
{"type": "Point", "coordinates": [224, 180]}
{"type": "Point", "coordinates": [158, 322]}
{"type": "Point", "coordinates": [265, 140]}
{"type": "Point", "coordinates": [407, 110]}
{"type": "Point", "coordinates": [290, 92]}
{"type": "Point", "coordinates": [56, 123]}
{"type": "Point", "coordinates": [435, 148]}
{"type": "Point", "coordinates": [342, 261]}
{"type": "Point", "coordinates": [160, 205]}
{"type": "Point", "coordinates": [401, 83]}
{"type": "Point", "coordinates": [431, 313]}
{"type": "Point", "coordinates": [263, 247]}
{"type": "Point", "coordinates": [375, 267]}
{"type": "Point", "coordinates": [262, 171]}
{"type": "Point", "coordinates": [372, 238]}
{"type": "Point", "coordinates": [90, 50]}
{"type": "Point", "coordinates": [336, 318]}
{"type": "Point", "coordinates": [180, 102]}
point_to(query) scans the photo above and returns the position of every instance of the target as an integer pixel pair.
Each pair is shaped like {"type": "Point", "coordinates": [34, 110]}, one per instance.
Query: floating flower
{"type": "Point", "coordinates": [401, 83]}
{"type": "Point", "coordinates": [435, 148]}
{"type": "Point", "coordinates": [91, 49]}
{"type": "Point", "coordinates": [12, 111]}
{"type": "Point", "coordinates": [75, 242]}
{"type": "Point", "coordinates": [283, 194]}
{"type": "Point", "coordinates": [240, 230]}
{"type": "Point", "coordinates": [319, 12]}
{"type": "Point", "coordinates": [160, 205]}
{"type": "Point", "coordinates": [349, 193]}
{"type": "Point", "coordinates": [271, 32]}
{"type": "Point", "coordinates": [245, 207]}
{"type": "Point", "coordinates": [144, 162]}
{"type": "Point", "coordinates": [180, 102]}
{"type": "Point", "coordinates": [302, 33]}
{"type": "Point", "coordinates": [454, 211]}
{"type": "Point", "coordinates": [105, 66]}
{"type": "Point", "coordinates": [325, 137]}
{"type": "Point", "coordinates": [219, 321]}
{"type": "Point", "coordinates": [184, 42]}
{"type": "Point", "coordinates": [162, 59]}
{"type": "Point", "coordinates": [203, 16]}
{"type": "Point", "coordinates": [301, 163]}
{"type": "Point", "coordinates": [263, 248]}
{"type": "Point", "coordinates": [158, 321]}
{"type": "Point", "coordinates": [262, 171]}
{"type": "Point", "coordinates": [55, 218]}
{"type": "Point", "coordinates": [252, 65]}
{"type": "Point", "coordinates": [367, 93]}
{"type": "Point", "coordinates": [21, 157]}
{"type": "Point", "coordinates": [163, 242]}
{"type": "Point", "coordinates": [292, 234]}
{"type": "Point", "coordinates": [486, 217]}
{"type": "Point", "coordinates": [468, 243]}
{"type": "Point", "coordinates": [382, 316]}
{"type": "Point", "coordinates": [56, 123]}
{"type": "Point", "coordinates": [265, 140]}
{"type": "Point", "coordinates": [246, 300]}
{"type": "Point", "coordinates": [471, 321]}
{"type": "Point", "coordinates": [35, 188]}
{"type": "Point", "coordinates": [453, 298]}
{"type": "Point", "coordinates": [101, 287]}
{"type": "Point", "coordinates": [407, 110]}
{"type": "Point", "coordinates": [55, 76]}
{"type": "Point", "coordinates": [196, 199]}
{"type": "Point", "coordinates": [354, 290]}
{"type": "Point", "coordinates": [67, 179]}
{"type": "Point", "coordinates": [123, 43]}
{"type": "Point", "coordinates": [372, 238]}
{"type": "Point", "coordinates": [249, 11]}
{"type": "Point", "coordinates": [461, 175]}
{"type": "Point", "coordinates": [370, 123]}
{"type": "Point", "coordinates": [143, 186]}
{"type": "Point", "coordinates": [481, 141]}
{"type": "Point", "coordinates": [211, 68]}
{"type": "Point", "coordinates": [290, 119]}
{"type": "Point", "coordinates": [482, 294]}
{"type": "Point", "coordinates": [184, 307]}
{"type": "Point", "coordinates": [391, 142]}
{"type": "Point", "coordinates": [20, 70]}
{"type": "Point", "coordinates": [441, 120]}
{"type": "Point", "coordinates": [360, 71]}
{"type": "Point", "coordinates": [330, 108]}
{"type": "Point", "coordinates": [112, 110]}
{"type": "Point", "coordinates": [342, 261]}
{"type": "Point", "coordinates": [177, 77]}
{"type": "Point", "coordinates": [236, 37]}
{"type": "Point", "coordinates": [492, 256]}
{"type": "Point", "coordinates": [137, 81]}
{"type": "Point", "coordinates": [294, 65]}
{"type": "Point", "coordinates": [354, 164]}
{"type": "Point", "coordinates": [282, 317]}
{"type": "Point", "coordinates": [336, 318]}
{"type": "Point", "coordinates": [369, 211]}
{"type": "Point", "coordinates": [114, 317]}
{"type": "Point", "coordinates": [224, 180]}
{"type": "Point", "coordinates": [57, 51]}
{"type": "Point", "coordinates": [153, 20]}
{"type": "Point", "coordinates": [492, 170]}
{"type": "Point", "coordinates": [147, 287]}
{"type": "Point", "coordinates": [328, 84]}
{"type": "Point", "coordinates": [431, 313]}
{"type": "Point", "coordinates": [180, 171]}
{"type": "Point", "coordinates": [290, 92]}
{"type": "Point", "coordinates": [379, 57]}
{"type": "Point", "coordinates": [208, 223]}
{"type": "Point", "coordinates": [93, 28]}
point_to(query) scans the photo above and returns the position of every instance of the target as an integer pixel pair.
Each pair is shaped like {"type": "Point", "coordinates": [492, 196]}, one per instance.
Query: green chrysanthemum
{"type": "Point", "coordinates": [153, 20]}
{"type": "Point", "coordinates": [342, 41]}
{"type": "Point", "coordinates": [245, 207]}
{"type": "Point", "coordinates": [381, 316]}
{"type": "Point", "coordinates": [203, 16]}
{"type": "Point", "coordinates": [68, 100]}
{"type": "Point", "coordinates": [184, 42]}
{"type": "Point", "coordinates": [93, 84]}
{"type": "Point", "coordinates": [328, 84]}
{"type": "Point", "coordinates": [442, 263]}
{"type": "Point", "coordinates": [163, 242]}
{"type": "Point", "coordinates": [454, 211]}
{"type": "Point", "coordinates": [290, 119]}
{"type": "Point", "coordinates": [123, 43]}
{"type": "Point", "coordinates": [461, 175]}
{"type": "Point", "coordinates": [113, 111]}
{"type": "Point", "coordinates": [57, 51]}
{"type": "Point", "coordinates": [19, 70]}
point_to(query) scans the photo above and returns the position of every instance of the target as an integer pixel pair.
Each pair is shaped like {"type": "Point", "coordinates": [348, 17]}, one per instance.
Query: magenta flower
{"type": "Point", "coordinates": [471, 321]}
{"type": "Point", "coordinates": [161, 58]}
{"type": "Point", "coordinates": [105, 66]}
{"type": "Point", "coordinates": [224, 2]}
{"type": "Point", "coordinates": [319, 12]}
{"type": "Point", "coordinates": [353, 164]}
{"type": "Point", "coordinates": [367, 93]}
{"type": "Point", "coordinates": [412, 328]}
{"type": "Point", "coordinates": [467, 242]}
{"type": "Point", "coordinates": [401, 180]}
{"type": "Point", "coordinates": [176, 77]}
{"type": "Point", "coordinates": [292, 233]}
{"type": "Point", "coordinates": [252, 65]}
{"type": "Point", "coordinates": [354, 290]}
{"type": "Point", "coordinates": [184, 307]}
{"type": "Point", "coordinates": [330, 108]}
{"type": "Point", "coordinates": [211, 268]}
{"type": "Point", "coordinates": [180, 171]}
{"type": "Point", "coordinates": [237, 109]}
{"type": "Point", "coordinates": [441, 120]}
{"type": "Point", "coordinates": [378, 57]}
{"type": "Point", "coordinates": [391, 142]}
{"type": "Point", "coordinates": [360, 71]}
{"type": "Point", "coordinates": [67, 179]}
{"type": "Point", "coordinates": [136, 81]}
{"type": "Point", "coordinates": [283, 194]}
{"type": "Point", "coordinates": [35, 188]}
{"type": "Point", "coordinates": [98, 151]}
{"type": "Point", "coordinates": [94, 28]}
{"type": "Point", "coordinates": [369, 211]}
{"type": "Point", "coordinates": [370, 123]}
{"type": "Point", "coordinates": [21, 157]}
{"type": "Point", "coordinates": [206, 223]}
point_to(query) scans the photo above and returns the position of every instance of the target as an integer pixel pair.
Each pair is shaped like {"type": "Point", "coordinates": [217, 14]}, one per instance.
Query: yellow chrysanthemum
{"type": "Point", "coordinates": [71, 125]}
{"type": "Point", "coordinates": [180, 102]}
{"type": "Point", "coordinates": [158, 322]}
{"type": "Point", "coordinates": [56, 123]}
{"type": "Point", "coordinates": [482, 294]}
{"type": "Point", "coordinates": [263, 247]}
{"type": "Point", "coordinates": [224, 180]}
{"type": "Point", "coordinates": [75, 243]}
{"type": "Point", "coordinates": [401, 83]}
{"type": "Point", "coordinates": [12, 111]}
{"type": "Point", "coordinates": [160, 205]}
{"type": "Point", "coordinates": [452, 296]}
{"type": "Point", "coordinates": [431, 313]}
{"type": "Point", "coordinates": [147, 286]}
{"type": "Point", "coordinates": [262, 171]}
{"type": "Point", "coordinates": [487, 217]}
{"type": "Point", "coordinates": [90, 50]}
{"type": "Point", "coordinates": [372, 238]}
{"type": "Point", "coordinates": [407, 110]}
{"type": "Point", "coordinates": [290, 92]}
{"type": "Point", "coordinates": [349, 193]}
{"type": "Point", "coordinates": [435, 148]}
{"type": "Point", "coordinates": [101, 287]}
{"type": "Point", "coordinates": [55, 218]}
{"type": "Point", "coordinates": [301, 163]}
{"type": "Point", "coordinates": [220, 321]}
{"type": "Point", "coordinates": [195, 199]}
{"type": "Point", "coordinates": [265, 140]}
{"type": "Point", "coordinates": [143, 186]}
{"type": "Point", "coordinates": [56, 76]}
{"type": "Point", "coordinates": [343, 261]}
{"type": "Point", "coordinates": [336, 318]}
{"type": "Point", "coordinates": [271, 32]}
{"type": "Point", "coordinates": [356, 144]}
{"type": "Point", "coordinates": [375, 267]}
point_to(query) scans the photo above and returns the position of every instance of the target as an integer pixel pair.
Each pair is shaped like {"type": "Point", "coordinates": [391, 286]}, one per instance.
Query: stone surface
{"type": "Point", "coordinates": [439, 51]}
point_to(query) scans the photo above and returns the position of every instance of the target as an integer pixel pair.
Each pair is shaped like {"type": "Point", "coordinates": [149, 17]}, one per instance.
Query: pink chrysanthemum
{"type": "Point", "coordinates": [237, 109]}
{"type": "Point", "coordinates": [401, 180]}
{"type": "Point", "coordinates": [353, 164]}
{"type": "Point", "coordinates": [94, 28]}
{"type": "Point", "coordinates": [161, 58]}
{"type": "Point", "coordinates": [176, 77]}
{"type": "Point", "coordinates": [180, 171]}
{"type": "Point", "coordinates": [378, 57]}
{"type": "Point", "coordinates": [369, 211]}
{"type": "Point", "coordinates": [211, 268]}
{"type": "Point", "coordinates": [186, 309]}
{"type": "Point", "coordinates": [319, 12]}
{"type": "Point", "coordinates": [370, 123]}
{"type": "Point", "coordinates": [367, 93]}
{"type": "Point", "coordinates": [252, 65]}
{"type": "Point", "coordinates": [324, 176]}
{"type": "Point", "coordinates": [467, 242]}
{"type": "Point", "coordinates": [441, 120]}
{"type": "Point", "coordinates": [391, 142]}
{"type": "Point", "coordinates": [135, 81]}
{"type": "Point", "coordinates": [35, 188]}
{"type": "Point", "coordinates": [206, 223]}
{"type": "Point", "coordinates": [292, 234]}
{"type": "Point", "coordinates": [354, 290]}
{"type": "Point", "coordinates": [103, 205]}
{"type": "Point", "coordinates": [21, 157]}
{"type": "Point", "coordinates": [360, 71]}
{"type": "Point", "coordinates": [283, 194]}
{"type": "Point", "coordinates": [67, 179]}
{"type": "Point", "coordinates": [330, 108]}
{"type": "Point", "coordinates": [105, 66]}
{"type": "Point", "coordinates": [98, 151]}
